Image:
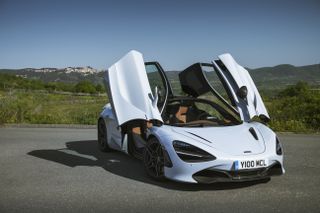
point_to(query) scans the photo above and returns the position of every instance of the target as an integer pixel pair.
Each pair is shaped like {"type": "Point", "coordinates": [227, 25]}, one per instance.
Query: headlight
{"type": "Point", "coordinates": [278, 147]}
{"type": "Point", "coordinates": [190, 153]}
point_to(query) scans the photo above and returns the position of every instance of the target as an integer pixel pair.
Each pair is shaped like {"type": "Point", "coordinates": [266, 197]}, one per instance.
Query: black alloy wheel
{"type": "Point", "coordinates": [153, 159]}
{"type": "Point", "coordinates": [102, 136]}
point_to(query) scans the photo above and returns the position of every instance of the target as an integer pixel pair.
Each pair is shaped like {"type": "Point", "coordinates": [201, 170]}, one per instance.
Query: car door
{"type": "Point", "coordinates": [245, 93]}
{"type": "Point", "coordinates": [129, 90]}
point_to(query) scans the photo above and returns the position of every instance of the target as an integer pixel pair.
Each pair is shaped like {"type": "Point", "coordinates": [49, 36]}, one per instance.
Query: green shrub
{"type": "Point", "coordinates": [85, 87]}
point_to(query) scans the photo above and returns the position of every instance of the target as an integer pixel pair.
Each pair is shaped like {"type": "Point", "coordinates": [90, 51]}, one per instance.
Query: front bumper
{"type": "Point", "coordinates": [212, 175]}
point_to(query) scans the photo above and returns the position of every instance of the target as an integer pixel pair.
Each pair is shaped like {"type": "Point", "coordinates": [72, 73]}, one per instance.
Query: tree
{"type": "Point", "coordinates": [85, 87]}
{"type": "Point", "coordinates": [300, 89]}
{"type": "Point", "coordinates": [99, 88]}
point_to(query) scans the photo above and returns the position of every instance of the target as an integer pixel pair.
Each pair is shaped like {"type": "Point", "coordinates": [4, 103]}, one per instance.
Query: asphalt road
{"type": "Point", "coordinates": [61, 170]}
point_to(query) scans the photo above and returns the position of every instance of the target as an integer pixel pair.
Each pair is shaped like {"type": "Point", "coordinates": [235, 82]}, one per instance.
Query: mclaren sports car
{"type": "Point", "coordinates": [205, 124]}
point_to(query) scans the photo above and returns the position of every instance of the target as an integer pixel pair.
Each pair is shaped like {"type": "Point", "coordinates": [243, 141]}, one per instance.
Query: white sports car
{"type": "Point", "coordinates": [213, 130]}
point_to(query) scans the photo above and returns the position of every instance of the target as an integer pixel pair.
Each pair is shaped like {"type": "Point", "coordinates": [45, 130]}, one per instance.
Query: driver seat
{"type": "Point", "coordinates": [181, 114]}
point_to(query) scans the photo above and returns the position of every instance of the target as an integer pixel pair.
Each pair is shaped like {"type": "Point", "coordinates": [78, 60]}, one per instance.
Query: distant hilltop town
{"type": "Point", "coordinates": [67, 75]}
{"type": "Point", "coordinates": [82, 70]}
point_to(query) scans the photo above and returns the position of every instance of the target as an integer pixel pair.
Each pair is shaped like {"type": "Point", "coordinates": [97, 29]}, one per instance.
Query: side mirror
{"type": "Point", "coordinates": [243, 92]}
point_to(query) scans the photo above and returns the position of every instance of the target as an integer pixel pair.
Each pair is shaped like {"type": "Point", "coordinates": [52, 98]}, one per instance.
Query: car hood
{"type": "Point", "coordinates": [232, 140]}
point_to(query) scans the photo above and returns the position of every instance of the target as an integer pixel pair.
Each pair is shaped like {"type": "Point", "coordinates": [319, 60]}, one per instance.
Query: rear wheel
{"type": "Point", "coordinates": [153, 159]}
{"type": "Point", "coordinates": [102, 136]}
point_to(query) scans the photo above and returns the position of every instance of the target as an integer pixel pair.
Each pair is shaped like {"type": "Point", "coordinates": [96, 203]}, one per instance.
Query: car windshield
{"type": "Point", "coordinates": [195, 112]}
{"type": "Point", "coordinates": [201, 101]}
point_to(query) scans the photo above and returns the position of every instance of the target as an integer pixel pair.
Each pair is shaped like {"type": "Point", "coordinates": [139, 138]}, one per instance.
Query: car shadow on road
{"type": "Point", "coordinates": [86, 153]}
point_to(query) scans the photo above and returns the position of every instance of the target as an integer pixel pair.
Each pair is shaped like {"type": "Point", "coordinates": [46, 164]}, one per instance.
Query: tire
{"type": "Point", "coordinates": [102, 136]}
{"type": "Point", "coordinates": [153, 159]}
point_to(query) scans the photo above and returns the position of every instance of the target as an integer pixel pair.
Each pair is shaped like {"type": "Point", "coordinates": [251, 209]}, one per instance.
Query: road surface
{"type": "Point", "coordinates": [61, 170]}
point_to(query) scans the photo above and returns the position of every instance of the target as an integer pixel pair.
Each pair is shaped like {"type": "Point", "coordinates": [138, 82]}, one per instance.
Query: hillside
{"type": "Point", "coordinates": [266, 78]}
{"type": "Point", "coordinates": [283, 75]}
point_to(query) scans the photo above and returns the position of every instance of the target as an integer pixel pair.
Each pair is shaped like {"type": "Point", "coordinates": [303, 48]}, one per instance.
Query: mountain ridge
{"type": "Point", "coordinates": [265, 77]}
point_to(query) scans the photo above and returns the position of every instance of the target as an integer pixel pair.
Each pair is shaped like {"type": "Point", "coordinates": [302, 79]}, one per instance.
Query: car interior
{"type": "Point", "coordinates": [194, 112]}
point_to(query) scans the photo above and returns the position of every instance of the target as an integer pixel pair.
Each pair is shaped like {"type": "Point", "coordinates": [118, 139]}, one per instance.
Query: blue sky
{"type": "Point", "coordinates": [175, 33]}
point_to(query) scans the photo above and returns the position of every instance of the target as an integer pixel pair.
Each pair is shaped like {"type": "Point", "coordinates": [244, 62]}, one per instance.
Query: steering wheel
{"type": "Point", "coordinates": [202, 116]}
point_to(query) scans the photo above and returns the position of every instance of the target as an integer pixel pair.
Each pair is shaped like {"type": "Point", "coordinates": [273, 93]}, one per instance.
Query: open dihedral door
{"type": "Point", "coordinates": [129, 90]}
{"type": "Point", "coordinates": [242, 87]}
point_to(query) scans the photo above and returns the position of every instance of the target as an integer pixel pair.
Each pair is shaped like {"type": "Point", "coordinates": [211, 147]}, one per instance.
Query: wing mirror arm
{"type": "Point", "coordinates": [156, 97]}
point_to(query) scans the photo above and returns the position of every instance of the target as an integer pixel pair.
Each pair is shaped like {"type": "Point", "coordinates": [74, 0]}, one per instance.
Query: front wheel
{"type": "Point", "coordinates": [154, 160]}
{"type": "Point", "coordinates": [102, 136]}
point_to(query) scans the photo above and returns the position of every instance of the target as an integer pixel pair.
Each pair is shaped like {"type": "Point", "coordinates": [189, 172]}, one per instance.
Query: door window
{"type": "Point", "coordinates": [156, 80]}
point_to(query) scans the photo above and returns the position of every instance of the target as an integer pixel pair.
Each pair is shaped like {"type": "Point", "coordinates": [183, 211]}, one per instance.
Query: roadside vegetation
{"type": "Point", "coordinates": [47, 108]}
{"type": "Point", "coordinates": [295, 109]}
{"type": "Point", "coordinates": [11, 82]}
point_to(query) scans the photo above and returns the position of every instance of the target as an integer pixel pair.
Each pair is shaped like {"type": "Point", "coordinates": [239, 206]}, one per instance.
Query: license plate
{"type": "Point", "coordinates": [250, 164]}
